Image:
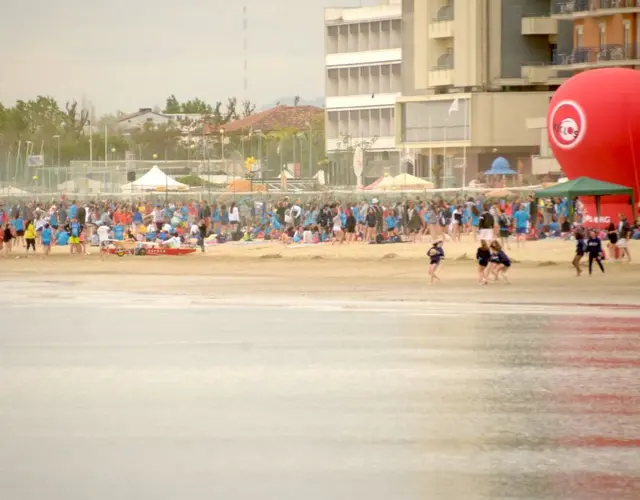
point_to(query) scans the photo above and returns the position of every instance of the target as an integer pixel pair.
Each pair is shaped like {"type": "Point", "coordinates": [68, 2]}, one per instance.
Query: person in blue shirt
{"type": "Point", "coordinates": [435, 254]}
{"type": "Point", "coordinates": [45, 238]}
{"type": "Point", "coordinates": [18, 227]}
{"type": "Point", "coordinates": [73, 211]}
{"type": "Point", "coordinates": [391, 222]}
{"type": "Point", "coordinates": [118, 232]}
{"type": "Point", "coordinates": [62, 237]}
{"type": "Point", "coordinates": [563, 208]}
{"type": "Point", "coordinates": [137, 221]}
{"type": "Point", "coordinates": [53, 220]}
{"type": "Point", "coordinates": [521, 221]}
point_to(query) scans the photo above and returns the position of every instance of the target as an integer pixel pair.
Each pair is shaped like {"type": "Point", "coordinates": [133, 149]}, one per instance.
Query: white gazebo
{"type": "Point", "coordinates": [155, 180]}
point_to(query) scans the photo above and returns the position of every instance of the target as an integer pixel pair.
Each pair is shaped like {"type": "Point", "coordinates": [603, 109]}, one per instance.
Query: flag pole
{"type": "Point", "coordinates": [430, 152]}
{"type": "Point", "coordinates": [464, 147]}
{"type": "Point", "coordinates": [444, 154]}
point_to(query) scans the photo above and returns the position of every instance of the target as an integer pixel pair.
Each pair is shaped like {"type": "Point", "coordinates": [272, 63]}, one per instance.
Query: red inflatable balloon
{"type": "Point", "coordinates": [594, 130]}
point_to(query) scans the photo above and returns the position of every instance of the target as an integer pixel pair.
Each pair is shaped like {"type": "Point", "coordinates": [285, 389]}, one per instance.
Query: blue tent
{"type": "Point", "coordinates": [500, 166]}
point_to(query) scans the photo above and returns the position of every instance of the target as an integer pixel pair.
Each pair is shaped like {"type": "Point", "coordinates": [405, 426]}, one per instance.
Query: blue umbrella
{"type": "Point", "coordinates": [500, 166]}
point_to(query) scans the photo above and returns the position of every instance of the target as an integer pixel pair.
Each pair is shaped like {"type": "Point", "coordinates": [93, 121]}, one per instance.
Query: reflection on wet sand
{"type": "Point", "coordinates": [137, 396]}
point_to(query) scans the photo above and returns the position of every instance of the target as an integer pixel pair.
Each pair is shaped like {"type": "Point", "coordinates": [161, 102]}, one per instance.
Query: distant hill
{"type": "Point", "coordinates": [288, 101]}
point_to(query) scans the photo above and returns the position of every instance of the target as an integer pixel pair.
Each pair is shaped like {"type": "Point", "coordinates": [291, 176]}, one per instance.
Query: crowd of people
{"type": "Point", "coordinates": [498, 223]}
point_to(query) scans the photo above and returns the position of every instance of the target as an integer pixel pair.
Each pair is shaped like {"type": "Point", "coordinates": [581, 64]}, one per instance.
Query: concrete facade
{"type": "Point", "coordinates": [363, 54]}
{"type": "Point", "coordinates": [494, 59]}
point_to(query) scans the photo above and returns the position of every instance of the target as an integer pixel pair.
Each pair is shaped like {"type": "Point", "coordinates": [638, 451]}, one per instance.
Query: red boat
{"type": "Point", "coordinates": [120, 249]}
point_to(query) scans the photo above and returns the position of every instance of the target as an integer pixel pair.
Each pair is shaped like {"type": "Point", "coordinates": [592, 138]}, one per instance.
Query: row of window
{"type": "Point", "coordinates": [379, 122]}
{"type": "Point", "coordinates": [383, 78]}
{"type": "Point", "coordinates": [359, 37]}
{"type": "Point", "coordinates": [602, 27]}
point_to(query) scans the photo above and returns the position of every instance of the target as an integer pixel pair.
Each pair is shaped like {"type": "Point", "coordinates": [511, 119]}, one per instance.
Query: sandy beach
{"type": "Point", "coordinates": [541, 270]}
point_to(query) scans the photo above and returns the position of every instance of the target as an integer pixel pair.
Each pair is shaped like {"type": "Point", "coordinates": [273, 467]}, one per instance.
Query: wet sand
{"type": "Point", "coordinates": [265, 372]}
{"type": "Point", "coordinates": [288, 394]}
{"type": "Point", "coordinates": [541, 272]}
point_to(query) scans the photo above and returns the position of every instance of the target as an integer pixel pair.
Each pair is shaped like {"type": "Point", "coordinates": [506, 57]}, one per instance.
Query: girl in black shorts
{"type": "Point", "coordinates": [581, 248]}
{"type": "Point", "coordinates": [483, 255]}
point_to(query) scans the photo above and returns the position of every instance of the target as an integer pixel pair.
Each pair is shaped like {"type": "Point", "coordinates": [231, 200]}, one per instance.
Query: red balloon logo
{"type": "Point", "coordinates": [569, 124]}
{"type": "Point", "coordinates": [594, 131]}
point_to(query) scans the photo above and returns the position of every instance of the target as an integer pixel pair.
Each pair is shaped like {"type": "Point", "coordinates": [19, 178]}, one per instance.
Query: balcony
{"type": "Point", "coordinates": [575, 9]}
{"type": "Point", "coordinates": [441, 76]}
{"type": "Point", "coordinates": [442, 73]}
{"type": "Point", "coordinates": [442, 25]}
{"type": "Point", "coordinates": [537, 74]}
{"type": "Point", "coordinates": [598, 57]}
{"type": "Point", "coordinates": [539, 25]}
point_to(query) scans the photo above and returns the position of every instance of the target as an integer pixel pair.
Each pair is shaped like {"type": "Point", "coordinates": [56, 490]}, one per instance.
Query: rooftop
{"type": "Point", "coordinates": [275, 118]}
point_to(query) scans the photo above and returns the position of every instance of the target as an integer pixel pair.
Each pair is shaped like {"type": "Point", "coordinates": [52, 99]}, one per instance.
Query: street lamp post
{"type": "Point", "coordinates": [57, 136]}
{"type": "Point", "coordinates": [224, 164]}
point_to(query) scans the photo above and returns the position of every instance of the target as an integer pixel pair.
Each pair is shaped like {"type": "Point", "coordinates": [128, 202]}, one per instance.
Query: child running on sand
{"type": "Point", "coordinates": [483, 256]}
{"type": "Point", "coordinates": [594, 247]}
{"type": "Point", "coordinates": [581, 248]}
{"type": "Point", "coordinates": [436, 254]}
{"type": "Point", "coordinates": [501, 262]}
{"type": "Point", "coordinates": [45, 238]}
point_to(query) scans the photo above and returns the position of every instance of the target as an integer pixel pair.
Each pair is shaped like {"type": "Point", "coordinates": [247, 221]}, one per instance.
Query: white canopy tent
{"type": "Point", "coordinates": [399, 182]}
{"type": "Point", "coordinates": [405, 180]}
{"type": "Point", "coordinates": [12, 191]}
{"type": "Point", "coordinates": [155, 180]}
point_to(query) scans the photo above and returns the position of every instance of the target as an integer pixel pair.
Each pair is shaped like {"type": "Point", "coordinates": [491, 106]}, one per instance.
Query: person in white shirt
{"type": "Point", "coordinates": [103, 234]}
{"type": "Point", "coordinates": [173, 242]}
{"type": "Point", "coordinates": [234, 217]}
{"type": "Point", "coordinates": [158, 218]}
{"type": "Point", "coordinates": [296, 212]}
{"type": "Point", "coordinates": [307, 236]}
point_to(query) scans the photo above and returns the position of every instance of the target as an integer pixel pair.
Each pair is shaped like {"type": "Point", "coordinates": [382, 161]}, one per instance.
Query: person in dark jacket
{"type": "Point", "coordinates": [581, 248]}
{"type": "Point", "coordinates": [501, 261]}
{"type": "Point", "coordinates": [483, 255]}
{"type": "Point", "coordinates": [435, 254]}
{"type": "Point", "coordinates": [594, 247]}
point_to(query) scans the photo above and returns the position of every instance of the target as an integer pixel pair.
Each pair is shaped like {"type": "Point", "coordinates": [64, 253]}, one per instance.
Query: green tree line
{"type": "Point", "coordinates": [64, 133]}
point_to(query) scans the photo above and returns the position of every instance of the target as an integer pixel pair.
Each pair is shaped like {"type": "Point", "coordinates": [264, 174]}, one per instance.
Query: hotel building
{"type": "Point", "coordinates": [363, 57]}
{"type": "Point", "coordinates": [494, 59]}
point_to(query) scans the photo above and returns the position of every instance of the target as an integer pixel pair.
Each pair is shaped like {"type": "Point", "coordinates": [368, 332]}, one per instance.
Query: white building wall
{"type": "Point", "coordinates": [363, 75]}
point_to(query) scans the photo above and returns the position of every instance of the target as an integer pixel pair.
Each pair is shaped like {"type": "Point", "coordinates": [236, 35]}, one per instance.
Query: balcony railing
{"type": "Point", "coordinates": [444, 14]}
{"type": "Point", "coordinates": [596, 55]}
{"type": "Point", "coordinates": [584, 6]}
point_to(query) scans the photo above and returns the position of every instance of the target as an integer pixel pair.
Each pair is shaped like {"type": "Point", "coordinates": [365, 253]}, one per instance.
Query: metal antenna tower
{"type": "Point", "coordinates": [245, 47]}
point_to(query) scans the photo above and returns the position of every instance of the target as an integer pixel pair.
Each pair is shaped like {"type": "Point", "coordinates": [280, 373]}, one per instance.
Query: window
{"type": "Point", "coordinates": [627, 37]}
{"type": "Point", "coordinates": [603, 35]}
{"type": "Point", "coordinates": [579, 33]}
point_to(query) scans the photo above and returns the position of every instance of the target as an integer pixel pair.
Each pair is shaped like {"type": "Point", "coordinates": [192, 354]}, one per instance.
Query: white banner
{"type": "Point", "coordinates": [35, 160]}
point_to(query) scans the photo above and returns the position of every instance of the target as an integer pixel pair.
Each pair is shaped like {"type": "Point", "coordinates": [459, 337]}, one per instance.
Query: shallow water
{"type": "Point", "coordinates": [137, 396]}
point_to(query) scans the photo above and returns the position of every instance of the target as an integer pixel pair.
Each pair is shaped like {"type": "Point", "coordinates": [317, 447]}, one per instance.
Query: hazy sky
{"type": "Point", "coordinates": [131, 54]}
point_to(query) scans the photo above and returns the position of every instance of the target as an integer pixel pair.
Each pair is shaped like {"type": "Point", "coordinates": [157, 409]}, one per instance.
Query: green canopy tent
{"type": "Point", "coordinates": [585, 186]}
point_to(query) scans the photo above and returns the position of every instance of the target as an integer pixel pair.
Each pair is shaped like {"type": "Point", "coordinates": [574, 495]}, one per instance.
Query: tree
{"type": "Point", "coordinates": [172, 105]}
{"type": "Point", "coordinates": [73, 123]}
{"type": "Point", "coordinates": [192, 106]}
{"type": "Point", "coordinates": [196, 106]}
{"type": "Point", "coordinates": [231, 113]}
{"type": "Point", "coordinates": [247, 108]}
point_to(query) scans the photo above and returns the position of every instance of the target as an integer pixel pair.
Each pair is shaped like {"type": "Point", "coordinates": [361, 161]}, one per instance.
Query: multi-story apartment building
{"type": "Point", "coordinates": [604, 33]}
{"type": "Point", "coordinates": [493, 58]}
{"type": "Point", "coordinates": [362, 67]}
